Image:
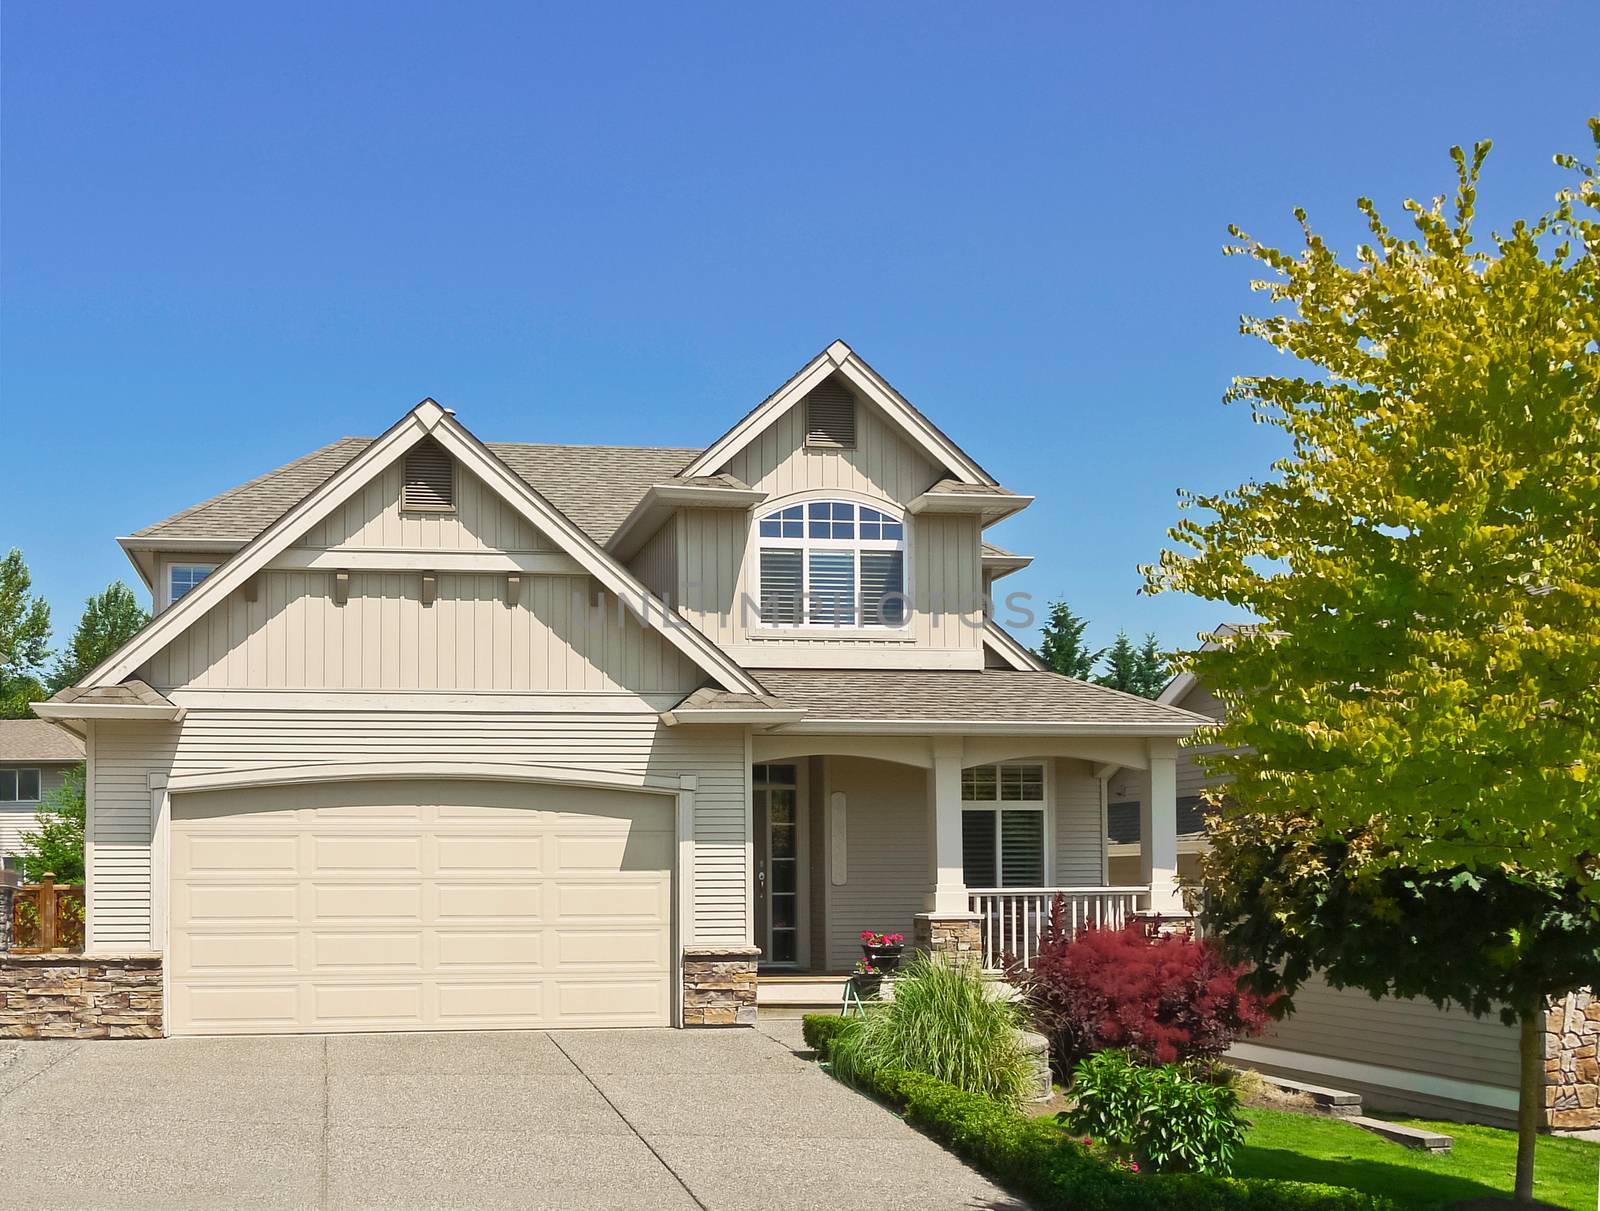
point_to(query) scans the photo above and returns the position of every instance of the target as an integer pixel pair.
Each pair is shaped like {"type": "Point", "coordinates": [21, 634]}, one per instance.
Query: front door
{"type": "Point", "coordinates": [776, 807]}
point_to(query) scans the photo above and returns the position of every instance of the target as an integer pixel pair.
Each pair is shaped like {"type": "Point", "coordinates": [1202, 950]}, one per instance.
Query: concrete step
{"type": "Point", "coordinates": [1338, 1102]}
{"type": "Point", "coordinates": [1409, 1137]}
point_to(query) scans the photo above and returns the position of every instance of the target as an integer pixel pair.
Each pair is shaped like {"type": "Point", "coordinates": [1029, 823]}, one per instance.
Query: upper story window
{"type": "Point", "coordinates": [181, 577]}
{"type": "Point", "coordinates": [19, 786]}
{"type": "Point", "coordinates": [832, 563]}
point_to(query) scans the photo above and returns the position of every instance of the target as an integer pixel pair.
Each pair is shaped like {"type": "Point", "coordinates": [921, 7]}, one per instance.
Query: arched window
{"type": "Point", "coordinates": [832, 563]}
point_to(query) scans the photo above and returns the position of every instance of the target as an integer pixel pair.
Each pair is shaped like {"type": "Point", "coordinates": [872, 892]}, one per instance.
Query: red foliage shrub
{"type": "Point", "coordinates": [1168, 998]}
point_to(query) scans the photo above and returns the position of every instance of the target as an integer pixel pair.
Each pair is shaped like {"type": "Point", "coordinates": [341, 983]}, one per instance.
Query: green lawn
{"type": "Point", "coordinates": [1481, 1163]}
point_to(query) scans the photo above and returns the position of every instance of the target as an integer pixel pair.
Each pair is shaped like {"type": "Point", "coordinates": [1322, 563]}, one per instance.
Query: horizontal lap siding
{"type": "Point", "coordinates": [886, 839]}
{"type": "Point", "coordinates": [19, 818]}
{"type": "Point", "coordinates": [373, 518]}
{"type": "Point", "coordinates": [215, 740]}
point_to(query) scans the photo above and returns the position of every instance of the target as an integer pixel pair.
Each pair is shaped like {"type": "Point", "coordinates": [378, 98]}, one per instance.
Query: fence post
{"type": "Point", "coordinates": [47, 911]}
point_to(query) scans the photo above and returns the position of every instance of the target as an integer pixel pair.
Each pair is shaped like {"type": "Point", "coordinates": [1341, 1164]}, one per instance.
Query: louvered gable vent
{"type": "Point", "coordinates": [430, 477]}
{"type": "Point", "coordinates": [831, 416]}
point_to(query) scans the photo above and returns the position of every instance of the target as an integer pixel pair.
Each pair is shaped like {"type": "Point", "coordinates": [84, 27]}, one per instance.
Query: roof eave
{"type": "Point", "coordinates": [757, 717]}
{"type": "Point", "coordinates": [987, 505]}
{"type": "Point", "coordinates": [660, 501]}
{"type": "Point", "coordinates": [988, 727]}
{"type": "Point", "coordinates": [128, 712]}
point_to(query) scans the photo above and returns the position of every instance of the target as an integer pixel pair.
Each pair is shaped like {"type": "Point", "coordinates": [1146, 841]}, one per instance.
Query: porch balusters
{"type": "Point", "coordinates": [1013, 919]}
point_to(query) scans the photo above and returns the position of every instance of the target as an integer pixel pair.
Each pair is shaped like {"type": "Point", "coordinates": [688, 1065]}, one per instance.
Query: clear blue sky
{"type": "Point", "coordinates": [234, 232]}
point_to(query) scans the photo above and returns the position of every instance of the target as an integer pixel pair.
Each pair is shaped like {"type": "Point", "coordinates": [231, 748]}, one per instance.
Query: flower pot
{"type": "Point", "coordinates": [867, 986]}
{"type": "Point", "coordinates": [885, 958]}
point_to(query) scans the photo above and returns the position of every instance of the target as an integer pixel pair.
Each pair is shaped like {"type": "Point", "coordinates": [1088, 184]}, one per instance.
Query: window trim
{"type": "Point", "coordinates": [1044, 805]}
{"type": "Point", "coordinates": [805, 544]}
{"type": "Point", "coordinates": [168, 567]}
{"type": "Point", "coordinates": [38, 778]}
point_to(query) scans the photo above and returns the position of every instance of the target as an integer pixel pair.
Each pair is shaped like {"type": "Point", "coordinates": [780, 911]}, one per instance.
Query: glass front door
{"type": "Point", "coordinates": [776, 804]}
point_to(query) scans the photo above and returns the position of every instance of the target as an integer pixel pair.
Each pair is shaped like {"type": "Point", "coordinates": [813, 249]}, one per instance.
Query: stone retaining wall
{"type": "Point", "coordinates": [71, 996]}
{"type": "Point", "coordinates": [952, 937]}
{"type": "Point", "coordinates": [1572, 1062]}
{"type": "Point", "coordinates": [719, 985]}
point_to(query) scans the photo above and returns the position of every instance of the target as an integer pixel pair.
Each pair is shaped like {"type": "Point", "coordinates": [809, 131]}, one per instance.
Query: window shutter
{"type": "Point", "coordinates": [430, 477]}
{"type": "Point", "coordinates": [1022, 848]}
{"type": "Point", "coordinates": [831, 416]}
{"type": "Point", "coordinates": [831, 595]}
{"type": "Point", "coordinates": [780, 588]}
{"type": "Point", "coordinates": [883, 588]}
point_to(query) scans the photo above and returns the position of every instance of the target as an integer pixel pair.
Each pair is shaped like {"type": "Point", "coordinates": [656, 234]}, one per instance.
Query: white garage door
{"type": "Point", "coordinates": [413, 905]}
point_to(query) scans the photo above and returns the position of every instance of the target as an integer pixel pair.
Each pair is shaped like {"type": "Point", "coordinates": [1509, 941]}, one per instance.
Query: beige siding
{"type": "Point", "coordinates": [656, 564]}
{"type": "Point", "coordinates": [1080, 837]}
{"type": "Point", "coordinates": [712, 553]}
{"type": "Point", "coordinates": [373, 518]}
{"type": "Point", "coordinates": [293, 636]}
{"type": "Point", "coordinates": [886, 836]}
{"type": "Point", "coordinates": [213, 740]}
{"type": "Point", "coordinates": [19, 818]}
{"type": "Point", "coordinates": [883, 464]}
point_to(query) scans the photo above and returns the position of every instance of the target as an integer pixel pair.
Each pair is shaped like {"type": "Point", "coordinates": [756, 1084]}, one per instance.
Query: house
{"type": "Point", "coordinates": [35, 756]}
{"type": "Point", "coordinates": [434, 733]}
{"type": "Point", "coordinates": [1398, 1052]}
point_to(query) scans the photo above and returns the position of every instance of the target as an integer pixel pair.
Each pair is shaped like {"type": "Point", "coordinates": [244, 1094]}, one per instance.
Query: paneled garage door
{"type": "Point", "coordinates": [413, 905]}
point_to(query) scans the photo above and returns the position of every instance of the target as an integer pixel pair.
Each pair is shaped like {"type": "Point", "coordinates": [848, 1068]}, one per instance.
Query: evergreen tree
{"type": "Point", "coordinates": [110, 619]}
{"type": "Point", "coordinates": [1061, 644]}
{"type": "Point", "coordinates": [1150, 669]}
{"type": "Point", "coordinates": [24, 638]}
{"type": "Point", "coordinates": [1122, 666]}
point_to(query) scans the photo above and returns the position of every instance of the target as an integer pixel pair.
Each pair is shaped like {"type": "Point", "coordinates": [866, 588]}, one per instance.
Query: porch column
{"type": "Point", "coordinates": [1158, 830]}
{"type": "Point", "coordinates": [949, 894]}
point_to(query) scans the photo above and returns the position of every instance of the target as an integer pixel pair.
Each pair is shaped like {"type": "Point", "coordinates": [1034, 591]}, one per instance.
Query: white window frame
{"type": "Point", "coordinates": [16, 786]}
{"type": "Point", "coordinates": [173, 565]}
{"type": "Point", "coordinates": [805, 544]}
{"type": "Point", "coordinates": [1044, 805]}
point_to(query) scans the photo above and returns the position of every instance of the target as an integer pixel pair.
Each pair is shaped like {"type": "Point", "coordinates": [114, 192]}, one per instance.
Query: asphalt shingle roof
{"type": "Point", "coordinates": [37, 740]}
{"type": "Point", "coordinates": [961, 696]}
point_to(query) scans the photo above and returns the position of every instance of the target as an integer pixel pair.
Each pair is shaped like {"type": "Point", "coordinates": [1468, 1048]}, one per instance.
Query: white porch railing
{"type": "Point", "coordinates": [1012, 919]}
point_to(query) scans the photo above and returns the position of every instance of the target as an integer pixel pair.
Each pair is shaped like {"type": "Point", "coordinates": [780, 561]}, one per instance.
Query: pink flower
{"type": "Point", "coordinates": [1133, 1165]}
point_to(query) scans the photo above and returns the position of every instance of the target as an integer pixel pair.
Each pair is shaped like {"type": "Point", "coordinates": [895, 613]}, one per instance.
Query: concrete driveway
{"type": "Point", "coordinates": [607, 1119]}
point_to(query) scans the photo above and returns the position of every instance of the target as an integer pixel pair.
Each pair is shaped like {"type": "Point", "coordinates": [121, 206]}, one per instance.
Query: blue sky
{"type": "Point", "coordinates": [231, 233]}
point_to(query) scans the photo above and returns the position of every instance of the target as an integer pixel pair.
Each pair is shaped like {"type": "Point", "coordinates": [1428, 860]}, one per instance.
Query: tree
{"type": "Point", "coordinates": [1061, 644]}
{"type": "Point", "coordinates": [1151, 668]}
{"type": "Point", "coordinates": [1122, 665]}
{"type": "Point", "coordinates": [109, 620]}
{"type": "Point", "coordinates": [24, 638]}
{"type": "Point", "coordinates": [1419, 704]}
{"type": "Point", "coordinates": [56, 845]}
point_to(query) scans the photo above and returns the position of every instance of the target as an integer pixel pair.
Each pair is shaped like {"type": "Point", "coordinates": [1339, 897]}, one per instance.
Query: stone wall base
{"type": "Point", "coordinates": [73, 996]}
{"type": "Point", "coordinates": [950, 937]}
{"type": "Point", "coordinates": [719, 985]}
{"type": "Point", "coordinates": [1572, 1062]}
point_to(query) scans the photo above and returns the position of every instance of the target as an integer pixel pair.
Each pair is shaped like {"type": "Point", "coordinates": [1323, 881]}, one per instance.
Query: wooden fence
{"type": "Point", "coordinates": [46, 916]}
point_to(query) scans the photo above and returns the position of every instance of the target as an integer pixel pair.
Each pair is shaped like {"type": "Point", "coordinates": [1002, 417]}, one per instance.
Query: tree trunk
{"type": "Point", "coordinates": [1530, 1099]}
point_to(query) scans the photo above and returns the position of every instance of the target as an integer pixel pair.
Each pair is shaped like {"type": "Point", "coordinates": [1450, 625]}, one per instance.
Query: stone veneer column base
{"type": "Point", "coordinates": [719, 985]}
{"type": "Point", "coordinates": [1572, 1062]}
{"type": "Point", "coordinates": [952, 937]}
{"type": "Point", "coordinates": [74, 996]}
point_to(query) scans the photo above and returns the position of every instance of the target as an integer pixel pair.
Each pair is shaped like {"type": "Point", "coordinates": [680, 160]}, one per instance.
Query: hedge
{"type": "Point", "coordinates": [820, 1029]}
{"type": "Point", "coordinates": [1035, 1157]}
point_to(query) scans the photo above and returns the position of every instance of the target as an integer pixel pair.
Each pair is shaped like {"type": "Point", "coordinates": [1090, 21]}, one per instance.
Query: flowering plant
{"type": "Point", "coordinates": [875, 941]}
{"type": "Point", "coordinates": [864, 967]}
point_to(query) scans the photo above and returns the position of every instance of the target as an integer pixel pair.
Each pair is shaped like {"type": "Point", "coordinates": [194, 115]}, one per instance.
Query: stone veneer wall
{"type": "Point", "coordinates": [952, 936]}
{"type": "Point", "coordinates": [719, 985]}
{"type": "Point", "coordinates": [72, 996]}
{"type": "Point", "coordinates": [1572, 1062]}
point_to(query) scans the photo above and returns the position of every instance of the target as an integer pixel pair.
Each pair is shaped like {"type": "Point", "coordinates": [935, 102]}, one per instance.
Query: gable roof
{"type": "Point", "coordinates": [37, 740]}
{"type": "Point", "coordinates": [839, 358]}
{"type": "Point", "coordinates": [427, 419]}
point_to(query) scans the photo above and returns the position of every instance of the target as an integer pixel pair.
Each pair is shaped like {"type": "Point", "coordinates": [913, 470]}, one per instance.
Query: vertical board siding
{"type": "Point", "coordinates": [215, 740]}
{"type": "Point", "coordinates": [293, 636]}
{"type": "Point", "coordinates": [714, 542]}
{"type": "Point", "coordinates": [1080, 840]}
{"type": "Point", "coordinates": [886, 853]}
{"type": "Point", "coordinates": [374, 518]}
{"type": "Point", "coordinates": [656, 564]}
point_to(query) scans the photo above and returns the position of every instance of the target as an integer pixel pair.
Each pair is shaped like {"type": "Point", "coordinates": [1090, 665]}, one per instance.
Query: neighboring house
{"type": "Point", "coordinates": [432, 733]}
{"type": "Point", "coordinates": [35, 756]}
{"type": "Point", "coordinates": [1401, 1054]}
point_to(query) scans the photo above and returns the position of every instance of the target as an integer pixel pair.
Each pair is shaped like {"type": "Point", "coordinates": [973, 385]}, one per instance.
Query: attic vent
{"type": "Point", "coordinates": [831, 416]}
{"type": "Point", "coordinates": [430, 478]}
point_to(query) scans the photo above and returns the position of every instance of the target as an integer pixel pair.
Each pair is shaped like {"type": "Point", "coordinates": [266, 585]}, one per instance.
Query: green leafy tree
{"type": "Point", "coordinates": [24, 638]}
{"type": "Point", "coordinates": [110, 618]}
{"type": "Point", "coordinates": [1061, 644]}
{"type": "Point", "coordinates": [1421, 704]}
{"type": "Point", "coordinates": [56, 845]}
{"type": "Point", "coordinates": [1122, 665]}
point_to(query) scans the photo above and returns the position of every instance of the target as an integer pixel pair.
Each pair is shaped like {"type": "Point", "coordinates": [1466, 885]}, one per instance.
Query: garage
{"type": "Point", "coordinates": [419, 905]}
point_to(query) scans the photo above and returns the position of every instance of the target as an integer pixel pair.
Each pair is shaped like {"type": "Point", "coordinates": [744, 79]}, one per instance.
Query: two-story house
{"type": "Point", "coordinates": [433, 733]}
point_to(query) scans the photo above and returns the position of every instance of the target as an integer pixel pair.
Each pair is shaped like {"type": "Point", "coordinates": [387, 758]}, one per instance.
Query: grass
{"type": "Point", "coordinates": [1481, 1164]}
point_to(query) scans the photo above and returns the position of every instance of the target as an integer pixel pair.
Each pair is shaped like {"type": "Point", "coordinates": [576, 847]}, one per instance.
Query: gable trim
{"type": "Point", "coordinates": [426, 419]}
{"type": "Point", "coordinates": [1006, 646]}
{"type": "Point", "coordinates": [840, 358]}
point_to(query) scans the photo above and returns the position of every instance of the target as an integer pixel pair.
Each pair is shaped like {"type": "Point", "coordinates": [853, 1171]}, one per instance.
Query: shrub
{"type": "Point", "coordinates": [943, 1022]}
{"type": "Point", "coordinates": [1163, 1118]}
{"type": "Point", "coordinates": [1036, 1158]}
{"type": "Point", "coordinates": [1168, 998]}
{"type": "Point", "coordinates": [820, 1030]}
